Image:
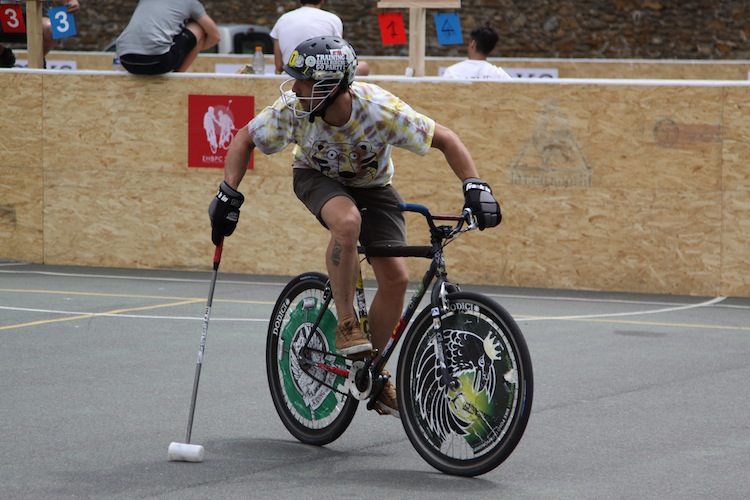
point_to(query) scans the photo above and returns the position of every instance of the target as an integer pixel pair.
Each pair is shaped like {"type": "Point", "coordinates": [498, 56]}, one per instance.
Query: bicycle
{"type": "Point", "coordinates": [464, 378]}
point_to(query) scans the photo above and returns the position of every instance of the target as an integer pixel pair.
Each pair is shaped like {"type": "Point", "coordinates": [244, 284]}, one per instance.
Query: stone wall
{"type": "Point", "coordinates": [639, 29]}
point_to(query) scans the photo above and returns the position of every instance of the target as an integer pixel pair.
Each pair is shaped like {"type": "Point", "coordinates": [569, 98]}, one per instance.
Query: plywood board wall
{"type": "Point", "coordinates": [638, 188]}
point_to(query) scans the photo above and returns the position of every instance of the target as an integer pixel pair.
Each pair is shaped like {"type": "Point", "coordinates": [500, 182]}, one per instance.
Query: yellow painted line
{"type": "Point", "coordinates": [35, 323]}
{"type": "Point", "coordinates": [160, 297]}
{"type": "Point", "coordinates": [155, 306]}
{"type": "Point", "coordinates": [93, 315]}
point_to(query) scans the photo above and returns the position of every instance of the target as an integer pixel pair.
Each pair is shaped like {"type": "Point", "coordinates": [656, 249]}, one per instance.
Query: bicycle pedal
{"type": "Point", "coordinates": [359, 356]}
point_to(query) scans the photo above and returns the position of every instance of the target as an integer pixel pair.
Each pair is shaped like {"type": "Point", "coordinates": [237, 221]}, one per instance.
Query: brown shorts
{"type": "Point", "coordinates": [382, 218]}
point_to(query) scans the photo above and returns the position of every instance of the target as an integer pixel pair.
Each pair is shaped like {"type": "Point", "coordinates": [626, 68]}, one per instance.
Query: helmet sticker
{"type": "Point", "coordinates": [332, 62]}
{"type": "Point", "coordinates": [294, 60]}
{"type": "Point", "coordinates": [324, 58]}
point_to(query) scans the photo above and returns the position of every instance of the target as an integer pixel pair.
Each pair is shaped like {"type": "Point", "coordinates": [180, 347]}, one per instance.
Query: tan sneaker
{"type": "Point", "coordinates": [350, 340]}
{"type": "Point", "coordinates": [387, 404]}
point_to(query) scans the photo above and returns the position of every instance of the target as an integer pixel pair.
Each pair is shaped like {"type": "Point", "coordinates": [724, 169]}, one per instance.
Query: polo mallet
{"type": "Point", "coordinates": [186, 452]}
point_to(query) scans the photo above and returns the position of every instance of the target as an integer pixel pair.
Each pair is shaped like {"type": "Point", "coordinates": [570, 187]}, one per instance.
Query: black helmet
{"type": "Point", "coordinates": [323, 58]}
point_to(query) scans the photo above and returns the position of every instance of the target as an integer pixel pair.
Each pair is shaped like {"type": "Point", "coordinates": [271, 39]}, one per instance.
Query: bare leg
{"type": "Point", "coordinates": [200, 37]}
{"type": "Point", "coordinates": [48, 43]}
{"type": "Point", "coordinates": [392, 274]}
{"type": "Point", "coordinates": [342, 261]}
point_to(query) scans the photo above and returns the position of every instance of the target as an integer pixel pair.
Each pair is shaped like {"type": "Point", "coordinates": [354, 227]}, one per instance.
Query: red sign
{"type": "Point", "coordinates": [11, 19]}
{"type": "Point", "coordinates": [212, 122]}
{"type": "Point", "coordinates": [392, 30]}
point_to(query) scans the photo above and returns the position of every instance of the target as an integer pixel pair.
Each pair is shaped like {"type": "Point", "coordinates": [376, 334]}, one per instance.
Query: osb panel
{"type": "Point", "coordinates": [21, 124]}
{"type": "Point", "coordinates": [629, 240]}
{"type": "Point", "coordinates": [160, 220]}
{"type": "Point", "coordinates": [586, 238]}
{"type": "Point", "coordinates": [593, 196]}
{"type": "Point", "coordinates": [21, 230]}
{"type": "Point", "coordinates": [125, 122]}
{"type": "Point", "coordinates": [736, 171]}
{"type": "Point", "coordinates": [735, 245]}
{"type": "Point", "coordinates": [644, 70]}
{"type": "Point", "coordinates": [609, 136]}
{"type": "Point", "coordinates": [206, 63]}
{"type": "Point", "coordinates": [566, 68]}
{"type": "Point", "coordinates": [671, 70]}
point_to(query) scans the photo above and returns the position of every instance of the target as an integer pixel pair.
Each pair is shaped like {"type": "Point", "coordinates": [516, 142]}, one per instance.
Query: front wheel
{"type": "Point", "coordinates": [313, 403]}
{"type": "Point", "coordinates": [468, 422]}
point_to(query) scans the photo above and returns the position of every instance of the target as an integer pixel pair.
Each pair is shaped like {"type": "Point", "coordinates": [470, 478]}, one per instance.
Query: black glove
{"type": "Point", "coordinates": [478, 197]}
{"type": "Point", "coordinates": [224, 212]}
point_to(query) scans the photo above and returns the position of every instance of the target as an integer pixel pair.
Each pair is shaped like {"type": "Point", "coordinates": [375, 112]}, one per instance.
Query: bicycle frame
{"type": "Point", "coordinates": [440, 235]}
{"type": "Point", "coordinates": [437, 273]}
{"type": "Point", "coordinates": [463, 383]}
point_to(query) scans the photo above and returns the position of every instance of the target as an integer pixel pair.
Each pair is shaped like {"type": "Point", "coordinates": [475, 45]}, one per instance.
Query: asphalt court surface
{"type": "Point", "coordinates": [636, 396]}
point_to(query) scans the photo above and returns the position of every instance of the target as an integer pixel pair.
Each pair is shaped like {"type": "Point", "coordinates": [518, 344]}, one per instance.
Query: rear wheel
{"type": "Point", "coordinates": [313, 403]}
{"type": "Point", "coordinates": [471, 424]}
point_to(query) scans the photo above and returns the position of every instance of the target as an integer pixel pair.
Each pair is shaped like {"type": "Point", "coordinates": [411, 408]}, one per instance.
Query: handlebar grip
{"type": "Point", "coordinates": [415, 207]}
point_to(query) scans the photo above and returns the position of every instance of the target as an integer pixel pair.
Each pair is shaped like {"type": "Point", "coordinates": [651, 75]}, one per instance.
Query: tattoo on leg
{"type": "Point", "coordinates": [336, 253]}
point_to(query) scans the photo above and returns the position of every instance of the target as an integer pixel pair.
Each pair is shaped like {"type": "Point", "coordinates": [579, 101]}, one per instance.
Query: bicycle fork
{"type": "Point", "coordinates": [440, 306]}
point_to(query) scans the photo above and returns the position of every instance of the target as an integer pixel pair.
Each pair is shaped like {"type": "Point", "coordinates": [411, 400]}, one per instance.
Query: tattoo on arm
{"type": "Point", "coordinates": [336, 253]}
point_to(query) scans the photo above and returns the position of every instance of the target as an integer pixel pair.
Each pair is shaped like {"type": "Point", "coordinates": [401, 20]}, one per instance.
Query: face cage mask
{"type": "Point", "coordinates": [321, 91]}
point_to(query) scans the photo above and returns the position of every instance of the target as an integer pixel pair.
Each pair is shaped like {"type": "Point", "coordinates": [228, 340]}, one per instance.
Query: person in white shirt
{"type": "Point", "coordinates": [298, 25]}
{"type": "Point", "coordinates": [483, 42]}
{"type": "Point", "coordinates": [303, 23]}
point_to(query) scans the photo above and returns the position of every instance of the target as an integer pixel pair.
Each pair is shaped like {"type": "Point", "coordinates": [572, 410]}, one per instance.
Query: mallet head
{"type": "Point", "coordinates": [183, 452]}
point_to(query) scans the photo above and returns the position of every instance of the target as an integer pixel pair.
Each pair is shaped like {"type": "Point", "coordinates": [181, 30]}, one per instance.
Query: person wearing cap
{"type": "Point", "coordinates": [344, 131]}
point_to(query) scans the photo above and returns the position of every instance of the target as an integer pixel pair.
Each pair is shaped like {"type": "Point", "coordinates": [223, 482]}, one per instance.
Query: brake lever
{"type": "Point", "coordinates": [468, 217]}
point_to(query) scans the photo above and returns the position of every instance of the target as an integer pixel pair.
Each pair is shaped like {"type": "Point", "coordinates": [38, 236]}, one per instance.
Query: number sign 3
{"type": "Point", "coordinates": [63, 24]}
{"type": "Point", "coordinates": [11, 19]}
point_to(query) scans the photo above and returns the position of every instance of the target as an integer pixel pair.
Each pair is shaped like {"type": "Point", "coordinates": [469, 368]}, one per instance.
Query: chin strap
{"type": "Point", "coordinates": [320, 112]}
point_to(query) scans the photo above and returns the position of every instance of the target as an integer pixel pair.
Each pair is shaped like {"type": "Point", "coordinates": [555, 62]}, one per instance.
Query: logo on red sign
{"type": "Point", "coordinates": [212, 122]}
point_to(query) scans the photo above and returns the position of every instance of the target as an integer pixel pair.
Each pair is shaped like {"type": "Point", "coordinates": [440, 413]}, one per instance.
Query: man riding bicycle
{"type": "Point", "coordinates": [344, 131]}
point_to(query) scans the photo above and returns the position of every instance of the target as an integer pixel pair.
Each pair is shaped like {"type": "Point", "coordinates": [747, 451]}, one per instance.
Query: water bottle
{"type": "Point", "coordinates": [116, 66]}
{"type": "Point", "coordinates": [259, 61]}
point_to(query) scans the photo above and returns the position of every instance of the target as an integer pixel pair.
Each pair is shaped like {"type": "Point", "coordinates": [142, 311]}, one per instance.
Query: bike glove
{"type": "Point", "coordinates": [478, 197]}
{"type": "Point", "coordinates": [224, 212]}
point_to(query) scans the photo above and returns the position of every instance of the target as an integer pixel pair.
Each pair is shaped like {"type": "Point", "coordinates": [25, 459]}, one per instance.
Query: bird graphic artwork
{"type": "Point", "coordinates": [466, 407]}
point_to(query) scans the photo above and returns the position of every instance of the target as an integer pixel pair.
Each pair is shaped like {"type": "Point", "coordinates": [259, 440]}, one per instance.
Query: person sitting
{"type": "Point", "coordinates": [483, 42]}
{"type": "Point", "coordinates": [165, 35]}
{"type": "Point", "coordinates": [7, 58]}
{"type": "Point", "coordinates": [303, 23]}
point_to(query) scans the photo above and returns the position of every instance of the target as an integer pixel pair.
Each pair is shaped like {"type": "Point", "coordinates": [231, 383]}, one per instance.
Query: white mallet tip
{"type": "Point", "coordinates": [183, 452]}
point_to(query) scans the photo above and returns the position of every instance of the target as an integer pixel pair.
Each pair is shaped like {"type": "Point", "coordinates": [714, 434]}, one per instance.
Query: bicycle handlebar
{"type": "Point", "coordinates": [422, 250]}
{"type": "Point", "coordinates": [465, 217]}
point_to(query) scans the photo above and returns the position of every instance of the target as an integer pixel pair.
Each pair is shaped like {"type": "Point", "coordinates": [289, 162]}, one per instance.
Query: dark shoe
{"type": "Point", "coordinates": [387, 404]}
{"type": "Point", "coordinates": [7, 58]}
{"type": "Point", "coordinates": [350, 340]}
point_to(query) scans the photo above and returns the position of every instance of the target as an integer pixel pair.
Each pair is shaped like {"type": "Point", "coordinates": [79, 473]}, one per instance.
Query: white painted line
{"type": "Point", "coordinates": [631, 313]}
